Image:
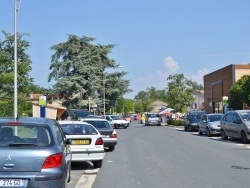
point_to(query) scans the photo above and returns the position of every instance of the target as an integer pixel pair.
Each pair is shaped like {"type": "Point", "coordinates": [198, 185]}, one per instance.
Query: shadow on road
{"type": "Point", "coordinates": [80, 165]}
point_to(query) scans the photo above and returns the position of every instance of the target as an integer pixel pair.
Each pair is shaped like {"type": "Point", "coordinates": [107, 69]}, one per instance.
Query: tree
{"type": "Point", "coordinates": [7, 66]}
{"type": "Point", "coordinates": [80, 71]}
{"type": "Point", "coordinates": [179, 91]}
{"type": "Point", "coordinates": [239, 93]}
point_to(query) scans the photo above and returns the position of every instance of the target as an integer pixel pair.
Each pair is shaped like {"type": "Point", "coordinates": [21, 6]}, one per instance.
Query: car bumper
{"type": "Point", "coordinates": [87, 155]}
{"type": "Point", "coordinates": [108, 142]}
{"type": "Point", "coordinates": [215, 131]}
{"type": "Point", "coordinates": [194, 127]}
{"type": "Point", "coordinates": [152, 123]}
{"type": "Point", "coordinates": [55, 180]}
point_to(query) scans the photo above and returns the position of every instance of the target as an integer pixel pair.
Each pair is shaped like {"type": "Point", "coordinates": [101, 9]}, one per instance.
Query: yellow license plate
{"type": "Point", "coordinates": [80, 142]}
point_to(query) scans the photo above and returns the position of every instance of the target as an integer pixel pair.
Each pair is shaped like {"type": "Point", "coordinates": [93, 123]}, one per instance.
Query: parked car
{"type": "Point", "coordinates": [191, 120]}
{"type": "Point", "coordinates": [127, 117]}
{"type": "Point", "coordinates": [76, 114]}
{"type": "Point", "coordinates": [34, 153]}
{"type": "Point", "coordinates": [236, 124]}
{"type": "Point", "coordinates": [109, 135]}
{"type": "Point", "coordinates": [86, 142]}
{"type": "Point", "coordinates": [116, 121]}
{"type": "Point", "coordinates": [152, 119]}
{"type": "Point", "coordinates": [210, 124]}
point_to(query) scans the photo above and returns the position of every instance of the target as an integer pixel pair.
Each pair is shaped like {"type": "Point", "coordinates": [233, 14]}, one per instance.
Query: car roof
{"type": "Point", "coordinates": [93, 118]}
{"type": "Point", "coordinates": [37, 120]}
{"type": "Point", "coordinates": [72, 122]}
{"type": "Point", "coordinates": [213, 114]}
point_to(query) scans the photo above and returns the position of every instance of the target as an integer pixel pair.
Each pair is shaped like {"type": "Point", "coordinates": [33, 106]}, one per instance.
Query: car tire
{"type": "Point", "coordinates": [208, 132]}
{"type": "Point", "coordinates": [200, 132]}
{"type": "Point", "coordinates": [115, 126]}
{"type": "Point", "coordinates": [223, 135]}
{"type": "Point", "coordinates": [185, 128]}
{"type": "Point", "coordinates": [97, 164]}
{"type": "Point", "coordinates": [244, 137]}
{"type": "Point", "coordinates": [111, 148]}
{"type": "Point", "coordinates": [125, 127]}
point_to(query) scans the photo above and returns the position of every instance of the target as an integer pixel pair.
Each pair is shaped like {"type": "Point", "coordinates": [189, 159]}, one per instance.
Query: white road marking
{"type": "Point", "coordinates": [87, 178]}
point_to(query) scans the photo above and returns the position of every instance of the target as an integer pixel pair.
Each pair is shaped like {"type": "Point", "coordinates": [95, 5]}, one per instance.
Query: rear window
{"type": "Point", "coordinates": [22, 134]}
{"type": "Point", "coordinates": [99, 124]}
{"type": "Point", "coordinates": [78, 129]}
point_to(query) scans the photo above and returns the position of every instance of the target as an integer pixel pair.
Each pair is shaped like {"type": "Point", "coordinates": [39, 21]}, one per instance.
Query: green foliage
{"type": "Point", "coordinates": [144, 99]}
{"type": "Point", "coordinates": [180, 91]}
{"type": "Point", "coordinates": [175, 122]}
{"type": "Point", "coordinates": [7, 66]}
{"type": "Point", "coordinates": [7, 108]}
{"type": "Point", "coordinates": [80, 71]}
{"type": "Point", "coordinates": [139, 107]}
{"type": "Point", "coordinates": [240, 93]}
{"type": "Point", "coordinates": [124, 106]}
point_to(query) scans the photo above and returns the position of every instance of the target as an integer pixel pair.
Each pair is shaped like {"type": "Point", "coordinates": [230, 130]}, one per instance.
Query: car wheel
{"type": "Point", "coordinates": [223, 135]}
{"type": "Point", "coordinates": [244, 137]}
{"type": "Point", "coordinates": [115, 126]}
{"type": "Point", "coordinates": [111, 148]}
{"type": "Point", "coordinates": [200, 132]}
{"type": "Point", "coordinates": [97, 164]}
{"type": "Point", "coordinates": [125, 126]}
{"type": "Point", "coordinates": [208, 132]}
{"type": "Point", "coordinates": [185, 128]}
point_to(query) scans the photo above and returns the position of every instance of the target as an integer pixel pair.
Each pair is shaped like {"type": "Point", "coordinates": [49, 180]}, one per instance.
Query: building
{"type": "Point", "coordinates": [217, 85]}
{"type": "Point", "coordinates": [198, 103]}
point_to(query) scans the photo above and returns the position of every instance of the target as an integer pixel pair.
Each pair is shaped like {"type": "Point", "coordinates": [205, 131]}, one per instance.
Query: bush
{"type": "Point", "coordinates": [175, 122]}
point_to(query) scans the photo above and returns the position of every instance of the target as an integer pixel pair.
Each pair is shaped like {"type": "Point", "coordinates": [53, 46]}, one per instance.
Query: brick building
{"type": "Point", "coordinates": [218, 84]}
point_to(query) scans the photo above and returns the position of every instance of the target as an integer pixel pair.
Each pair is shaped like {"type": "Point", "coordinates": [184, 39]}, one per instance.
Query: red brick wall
{"type": "Point", "coordinates": [218, 83]}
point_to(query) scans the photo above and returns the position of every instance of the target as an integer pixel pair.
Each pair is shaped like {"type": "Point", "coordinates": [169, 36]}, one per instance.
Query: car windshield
{"type": "Point", "coordinates": [245, 116]}
{"type": "Point", "coordinates": [116, 117]}
{"type": "Point", "coordinates": [213, 118]}
{"type": "Point", "coordinates": [153, 115]}
{"type": "Point", "coordinates": [24, 135]}
{"type": "Point", "coordinates": [78, 129]}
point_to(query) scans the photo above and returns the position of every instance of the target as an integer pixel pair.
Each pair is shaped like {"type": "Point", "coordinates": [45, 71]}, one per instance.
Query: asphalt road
{"type": "Point", "coordinates": [161, 157]}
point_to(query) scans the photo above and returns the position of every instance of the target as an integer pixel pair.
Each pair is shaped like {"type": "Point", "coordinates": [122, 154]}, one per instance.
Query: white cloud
{"type": "Point", "coordinates": [198, 76]}
{"type": "Point", "coordinates": [171, 65]}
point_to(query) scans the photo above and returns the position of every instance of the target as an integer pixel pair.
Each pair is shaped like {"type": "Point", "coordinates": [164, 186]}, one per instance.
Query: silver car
{"type": "Point", "coordinates": [236, 124]}
{"type": "Point", "coordinates": [210, 124]}
{"type": "Point", "coordinates": [34, 153]}
{"type": "Point", "coordinates": [152, 119]}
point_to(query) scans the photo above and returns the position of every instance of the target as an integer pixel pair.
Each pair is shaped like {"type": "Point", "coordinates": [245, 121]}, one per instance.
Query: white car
{"type": "Point", "coordinates": [86, 142]}
{"type": "Point", "coordinates": [116, 121]}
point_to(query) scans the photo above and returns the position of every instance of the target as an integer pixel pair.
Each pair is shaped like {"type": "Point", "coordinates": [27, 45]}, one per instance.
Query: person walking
{"type": "Point", "coordinates": [143, 118]}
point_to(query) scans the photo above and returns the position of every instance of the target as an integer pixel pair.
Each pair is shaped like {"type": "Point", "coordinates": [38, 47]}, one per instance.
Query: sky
{"type": "Point", "coordinates": [153, 38]}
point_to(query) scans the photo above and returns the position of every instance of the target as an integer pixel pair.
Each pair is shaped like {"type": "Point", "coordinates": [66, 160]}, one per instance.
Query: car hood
{"type": "Point", "coordinates": [214, 124]}
{"type": "Point", "coordinates": [119, 121]}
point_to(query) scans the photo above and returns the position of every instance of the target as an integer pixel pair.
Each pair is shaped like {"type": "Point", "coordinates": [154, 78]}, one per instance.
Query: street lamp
{"type": "Point", "coordinates": [104, 98]}
{"type": "Point", "coordinates": [15, 57]}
